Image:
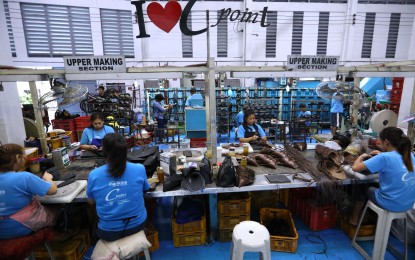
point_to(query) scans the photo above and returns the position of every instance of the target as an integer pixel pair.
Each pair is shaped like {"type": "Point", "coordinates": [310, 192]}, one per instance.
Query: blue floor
{"type": "Point", "coordinates": [327, 244]}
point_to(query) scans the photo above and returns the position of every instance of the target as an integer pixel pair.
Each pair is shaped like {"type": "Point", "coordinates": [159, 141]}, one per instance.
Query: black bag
{"type": "Point", "coordinates": [173, 182]}
{"type": "Point", "coordinates": [226, 174]}
{"type": "Point", "coordinates": [146, 155]}
{"type": "Point", "coordinates": [193, 181]}
{"type": "Point", "coordinates": [206, 170]}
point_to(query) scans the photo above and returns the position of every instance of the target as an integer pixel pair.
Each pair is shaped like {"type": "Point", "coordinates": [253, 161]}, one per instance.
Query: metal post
{"type": "Point", "coordinates": [38, 117]}
{"type": "Point", "coordinates": [211, 108]}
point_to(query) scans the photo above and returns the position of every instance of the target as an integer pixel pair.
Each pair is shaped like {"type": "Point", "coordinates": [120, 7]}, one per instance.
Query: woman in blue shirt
{"type": "Point", "coordinates": [92, 136]}
{"type": "Point", "coordinates": [395, 166]}
{"type": "Point", "coordinates": [18, 205]}
{"type": "Point", "coordinates": [159, 115]}
{"type": "Point", "coordinates": [250, 131]}
{"type": "Point", "coordinates": [118, 189]}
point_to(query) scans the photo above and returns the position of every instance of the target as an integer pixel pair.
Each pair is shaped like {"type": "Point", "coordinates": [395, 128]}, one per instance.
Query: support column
{"type": "Point", "coordinates": [210, 95]}
{"type": "Point", "coordinates": [38, 117]}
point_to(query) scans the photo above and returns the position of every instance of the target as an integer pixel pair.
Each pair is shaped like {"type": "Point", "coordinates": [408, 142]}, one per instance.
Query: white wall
{"type": "Point", "coordinates": [162, 48]}
{"type": "Point", "coordinates": [11, 120]}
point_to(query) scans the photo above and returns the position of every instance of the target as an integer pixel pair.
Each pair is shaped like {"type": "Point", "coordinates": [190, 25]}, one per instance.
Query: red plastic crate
{"type": "Point", "coordinates": [321, 217]}
{"type": "Point", "coordinates": [197, 142]}
{"type": "Point", "coordinates": [82, 122]}
{"type": "Point", "coordinates": [65, 124]}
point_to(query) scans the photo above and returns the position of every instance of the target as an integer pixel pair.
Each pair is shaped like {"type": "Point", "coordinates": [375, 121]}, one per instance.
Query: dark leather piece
{"type": "Point", "coordinates": [266, 160]}
{"type": "Point", "coordinates": [244, 176]}
{"type": "Point", "coordinates": [250, 159]}
{"type": "Point", "coordinates": [287, 162]}
{"type": "Point", "coordinates": [332, 170]}
{"type": "Point", "coordinates": [301, 146]}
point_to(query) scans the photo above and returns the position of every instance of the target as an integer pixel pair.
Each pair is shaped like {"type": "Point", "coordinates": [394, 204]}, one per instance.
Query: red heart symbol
{"type": "Point", "coordinates": [164, 18]}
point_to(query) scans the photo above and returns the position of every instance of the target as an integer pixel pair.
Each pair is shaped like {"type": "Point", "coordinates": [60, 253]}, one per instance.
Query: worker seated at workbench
{"type": "Point", "coordinates": [250, 131]}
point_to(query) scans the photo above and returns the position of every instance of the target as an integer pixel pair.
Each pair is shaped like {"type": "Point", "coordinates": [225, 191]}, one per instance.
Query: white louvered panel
{"type": "Point", "coordinates": [222, 38]}
{"type": "Point", "coordinates": [54, 31]}
{"type": "Point", "coordinates": [368, 35]}
{"type": "Point", "coordinates": [271, 35]}
{"type": "Point", "coordinates": [393, 35]}
{"type": "Point", "coordinates": [117, 32]}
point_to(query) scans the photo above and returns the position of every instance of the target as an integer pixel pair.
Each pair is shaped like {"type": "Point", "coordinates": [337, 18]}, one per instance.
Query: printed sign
{"type": "Point", "coordinates": [167, 17]}
{"type": "Point", "coordinates": [310, 62]}
{"type": "Point", "coordinates": [94, 64]}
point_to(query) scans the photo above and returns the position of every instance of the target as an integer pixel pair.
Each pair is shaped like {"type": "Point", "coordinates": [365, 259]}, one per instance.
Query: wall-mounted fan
{"type": "Point", "coordinates": [326, 89]}
{"type": "Point", "coordinates": [63, 96]}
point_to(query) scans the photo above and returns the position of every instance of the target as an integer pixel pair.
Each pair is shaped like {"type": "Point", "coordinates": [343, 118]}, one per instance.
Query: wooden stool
{"type": "Point", "coordinates": [250, 236]}
{"type": "Point", "coordinates": [381, 236]}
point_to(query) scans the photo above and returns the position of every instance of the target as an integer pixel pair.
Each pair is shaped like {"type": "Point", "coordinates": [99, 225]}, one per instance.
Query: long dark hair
{"type": "Point", "coordinates": [246, 115]}
{"type": "Point", "coordinates": [115, 152]}
{"type": "Point", "coordinates": [8, 154]}
{"type": "Point", "coordinates": [158, 97]}
{"type": "Point", "coordinates": [95, 116]}
{"type": "Point", "coordinates": [401, 142]}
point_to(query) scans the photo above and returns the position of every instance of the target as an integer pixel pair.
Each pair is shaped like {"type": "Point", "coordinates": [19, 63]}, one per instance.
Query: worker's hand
{"type": "Point", "coordinates": [264, 138]}
{"type": "Point", "coordinates": [254, 138]}
{"type": "Point", "coordinates": [93, 148]}
{"type": "Point", "coordinates": [374, 152]}
{"type": "Point", "coordinates": [171, 105]}
{"type": "Point", "coordinates": [47, 176]}
{"type": "Point", "coordinates": [363, 157]}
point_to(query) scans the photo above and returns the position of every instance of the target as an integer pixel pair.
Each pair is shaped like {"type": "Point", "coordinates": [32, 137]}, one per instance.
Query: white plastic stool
{"type": "Point", "coordinates": [381, 236]}
{"type": "Point", "coordinates": [250, 236]}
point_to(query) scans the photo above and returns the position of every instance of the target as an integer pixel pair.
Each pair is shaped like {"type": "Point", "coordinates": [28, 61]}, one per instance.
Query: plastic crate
{"type": "Point", "coordinates": [73, 249]}
{"type": "Point", "coordinates": [234, 204]}
{"type": "Point", "coordinates": [269, 199]}
{"type": "Point", "coordinates": [281, 243]}
{"type": "Point", "coordinates": [79, 134]}
{"type": "Point", "coordinates": [82, 122]}
{"type": "Point", "coordinates": [65, 124]}
{"type": "Point", "coordinates": [191, 227]}
{"type": "Point", "coordinates": [229, 222]}
{"type": "Point", "coordinates": [152, 237]}
{"type": "Point", "coordinates": [54, 142]}
{"type": "Point", "coordinates": [320, 217]}
{"type": "Point", "coordinates": [84, 236]}
{"type": "Point", "coordinates": [189, 239]}
{"type": "Point", "coordinates": [197, 142]}
{"type": "Point", "coordinates": [366, 229]}
{"type": "Point", "coordinates": [225, 235]}
{"type": "Point", "coordinates": [72, 135]}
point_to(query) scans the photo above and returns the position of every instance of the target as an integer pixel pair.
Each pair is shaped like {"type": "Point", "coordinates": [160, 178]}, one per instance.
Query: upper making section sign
{"type": "Point", "coordinates": [310, 62]}
{"type": "Point", "coordinates": [94, 64]}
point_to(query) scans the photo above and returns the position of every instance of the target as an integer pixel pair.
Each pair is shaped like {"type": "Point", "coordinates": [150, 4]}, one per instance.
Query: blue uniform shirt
{"type": "Point", "coordinates": [194, 96]}
{"type": "Point", "coordinates": [119, 198]}
{"type": "Point", "coordinates": [337, 103]}
{"type": "Point", "coordinates": [90, 133]}
{"type": "Point", "coordinates": [397, 185]}
{"type": "Point", "coordinates": [16, 191]}
{"type": "Point", "coordinates": [241, 131]}
{"type": "Point", "coordinates": [239, 120]}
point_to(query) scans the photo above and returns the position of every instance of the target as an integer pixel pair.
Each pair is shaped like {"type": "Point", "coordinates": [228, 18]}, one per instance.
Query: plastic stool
{"type": "Point", "coordinates": [381, 236]}
{"type": "Point", "coordinates": [22, 247]}
{"type": "Point", "coordinates": [250, 236]}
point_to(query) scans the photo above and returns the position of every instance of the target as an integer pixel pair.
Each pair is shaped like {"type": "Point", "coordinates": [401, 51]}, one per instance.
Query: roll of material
{"type": "Point", "coordinates": [383, 119]}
